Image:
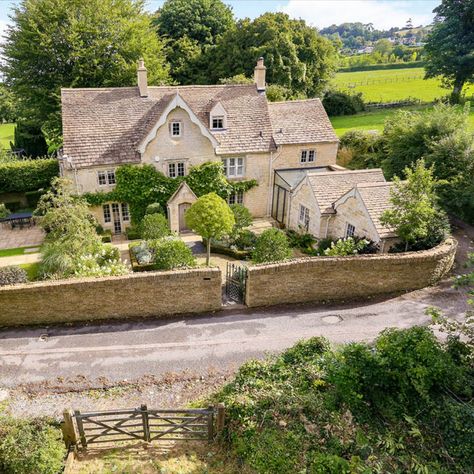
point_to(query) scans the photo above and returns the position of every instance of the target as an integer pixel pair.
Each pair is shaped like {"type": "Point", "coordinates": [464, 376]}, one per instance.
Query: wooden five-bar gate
{"type": "Point", "coordinates": [142, 424]}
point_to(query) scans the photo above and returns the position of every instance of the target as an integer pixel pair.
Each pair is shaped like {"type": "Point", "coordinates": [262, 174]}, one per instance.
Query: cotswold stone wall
{"type": "Point", "coordinates": [339, 278]}
{"type": "Point", "coordinates": [135, 295]}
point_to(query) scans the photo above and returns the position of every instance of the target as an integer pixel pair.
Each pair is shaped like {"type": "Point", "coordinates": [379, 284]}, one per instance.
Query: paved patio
{"type": "Point", "coordinates": [30, 237]}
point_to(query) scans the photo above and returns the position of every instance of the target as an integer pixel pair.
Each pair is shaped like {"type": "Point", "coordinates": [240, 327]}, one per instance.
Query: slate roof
{"type": "Point", "coordinates": [300, 121]}
{"type": "Point", "coordinates": [329, 187]}
{"type": "Point", "coordinates": [105, 126]}
{"type": "Point", "coordinates": [376, 198]}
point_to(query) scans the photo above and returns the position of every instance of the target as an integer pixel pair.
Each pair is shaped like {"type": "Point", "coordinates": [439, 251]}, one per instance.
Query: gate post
{"type": "Point", "coordinates": [69, 431]}
{"type": "Point", "coordinates": [210, 424]}
{"type": "Point", "coordinates": [220, 408]}
{"type": "Point", "coordinates": [145, 423]}
{"type": "Point", "coordinates": [80, 427]}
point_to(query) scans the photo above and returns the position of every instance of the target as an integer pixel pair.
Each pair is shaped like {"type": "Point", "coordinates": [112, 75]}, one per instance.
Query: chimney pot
{"type": "Point", "coordinates": [142, 78]}
{"type": "Point", "coordinates": [259, 75]}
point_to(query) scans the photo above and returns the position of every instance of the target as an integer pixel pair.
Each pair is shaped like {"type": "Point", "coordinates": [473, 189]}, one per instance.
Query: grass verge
{"type": "Point", "coordinates": [7, 131]}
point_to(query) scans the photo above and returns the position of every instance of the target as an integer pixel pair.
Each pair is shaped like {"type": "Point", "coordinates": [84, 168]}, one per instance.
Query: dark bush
{"type": "Point", "coordinates": [29, 137]}
{"type": "Point", "coordinates": [154, 208]}
{"type": "Point", "coordinates": [32, 198]}
{"type": "Point", "coordinates": [12, 275]}
{"type": "Point", "coordinates": [343, 103]}
{"type": "Point", "coordinates": [30, 447]}
{"type": "Point", "coordinates": [245, 240]}
{"type": "Point", "coordinates": [300, 240]}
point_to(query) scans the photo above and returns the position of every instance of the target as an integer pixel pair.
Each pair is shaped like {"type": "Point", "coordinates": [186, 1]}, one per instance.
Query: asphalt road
{"type": "Point", "coordinates": [128, 351]}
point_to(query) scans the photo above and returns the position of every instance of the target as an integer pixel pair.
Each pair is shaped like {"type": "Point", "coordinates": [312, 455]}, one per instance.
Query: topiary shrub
{"type": "Point", "coordinates": [271, 246]}
{"type": "Point", "coordinates": [30, 447]}
{"type": "Point", "coordinates": [154, 226]}
{"type": "Point", "coordinates": [170, 253]}
{"type": "Point", "coordinates": [4, 212]}
{"type": "Point", "coordinates": [154, 208]}
{"type": "Point", "coordinates": [12, 275]}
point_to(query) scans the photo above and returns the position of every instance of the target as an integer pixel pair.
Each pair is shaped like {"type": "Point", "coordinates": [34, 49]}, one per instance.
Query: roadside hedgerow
{"type": "Point", "coordinates": [12, 275]}
{"type": "Point", "coordinates": [30, 446]}
{"type": "Point", "coordinates": [271, 246]}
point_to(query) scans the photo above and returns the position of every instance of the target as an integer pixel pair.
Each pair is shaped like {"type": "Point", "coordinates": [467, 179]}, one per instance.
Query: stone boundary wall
{"type": "Point", "coordinates": [343, 278]}
{"type": "Point", "coordinates": [133, 295]}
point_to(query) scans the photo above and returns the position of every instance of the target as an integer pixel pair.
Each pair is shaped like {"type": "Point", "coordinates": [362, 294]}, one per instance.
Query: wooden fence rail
{"type": "Point", "coordinates": [144, 424]}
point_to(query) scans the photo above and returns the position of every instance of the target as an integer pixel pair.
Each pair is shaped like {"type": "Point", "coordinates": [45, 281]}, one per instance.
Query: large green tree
{"type": "Point", "coordinates": [76, 43]}
{"type": "Point", "coordinates": [296, 55]}
{"type": "Point", "coordinates": [190, 27]}
{"type": "Point", "coordinates": [450, 45]}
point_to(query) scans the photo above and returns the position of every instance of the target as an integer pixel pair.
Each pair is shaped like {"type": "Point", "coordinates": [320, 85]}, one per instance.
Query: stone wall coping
{"type": "Point", "coordinates": [168, 274]}
{"type": "Point", "coordinates": [441, 248]}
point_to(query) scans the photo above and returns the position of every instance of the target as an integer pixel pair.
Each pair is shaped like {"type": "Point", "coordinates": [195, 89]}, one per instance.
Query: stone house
{"type": "Point", "coordinates": [174, 128]}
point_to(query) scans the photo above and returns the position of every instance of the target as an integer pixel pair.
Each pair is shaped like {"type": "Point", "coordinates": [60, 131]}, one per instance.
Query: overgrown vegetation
{"type": "Point", "coordinates": [30, 446]}
{"type": "Point", "coordinates": [401, 404]}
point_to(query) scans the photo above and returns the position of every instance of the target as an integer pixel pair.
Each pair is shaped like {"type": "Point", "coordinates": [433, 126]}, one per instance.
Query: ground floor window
{"type": "Point", "coordinates": [304, 216]}
{"type": "Point", "coordinates": [350, 230]}
{"type": "Point", "coordinates": [125, 212]}
{"type": "Point", "coordinates": [236, 198]}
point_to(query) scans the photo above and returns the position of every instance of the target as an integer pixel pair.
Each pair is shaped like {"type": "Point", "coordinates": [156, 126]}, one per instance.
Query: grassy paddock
{"type": "Point", "coordinates": [391, 85]}
{"type": "Point", "coordinates": [6, 134]}
{"type": "Point", "coordinates": [372, 120]}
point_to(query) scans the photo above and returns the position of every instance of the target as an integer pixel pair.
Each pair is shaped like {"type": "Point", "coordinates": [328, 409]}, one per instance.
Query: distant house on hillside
{"type": "Point", "coordinates": [174, 128]}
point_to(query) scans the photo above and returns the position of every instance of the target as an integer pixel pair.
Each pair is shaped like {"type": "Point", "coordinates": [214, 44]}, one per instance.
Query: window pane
{"type": "Point", "coordinates": [106, 211]}
{"type": "Point", "coordinates": [217, 122]}
{"type": "Point", "coordinates": [311, 156]}
{"type": "Point", "coordinates": [125, 213]}
{"type": "Point", "coordinates": [304, 154]}
{"type": "Point", "coordinates": [171, 170]}
{"type": "Point", "coordinates": [224, 162]}
{"type": "Point", "coordinates": [240, 197]}
{"type": "Point", "coordinates": [176, 129]}
{"type": "Point", "coordinates": [111, 176]}
{"type": "Point", "coordinates": [102, 178]}
{"type": "Point", "coordinates": [240, 166]}
{"type": "Point", "coordinates": [180, 169]}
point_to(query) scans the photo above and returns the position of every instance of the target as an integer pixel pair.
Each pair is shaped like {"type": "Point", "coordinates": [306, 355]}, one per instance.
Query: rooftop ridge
{"type": "Point", "coordinates": [342, 172]}
{"type": "Point", "coordinates": [374, 184]}
{"type": "Point", "coordinates": [313, 99]}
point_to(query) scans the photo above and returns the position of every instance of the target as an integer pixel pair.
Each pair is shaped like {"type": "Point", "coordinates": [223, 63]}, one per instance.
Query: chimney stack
{"type": "Point", "coordinates": [259, 75]}
{"type": "Point", "coordinates": [142, 79]}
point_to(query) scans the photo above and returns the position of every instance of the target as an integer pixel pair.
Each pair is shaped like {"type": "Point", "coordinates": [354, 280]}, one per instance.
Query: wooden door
{"type": "Point", "coordinates": [182, 221]}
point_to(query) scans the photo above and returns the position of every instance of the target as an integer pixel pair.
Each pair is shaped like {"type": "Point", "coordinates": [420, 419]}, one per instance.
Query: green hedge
{"type": "Point", "coordinates": [375, 67]}
{"type": "Point", "coordinates": [27, 175]}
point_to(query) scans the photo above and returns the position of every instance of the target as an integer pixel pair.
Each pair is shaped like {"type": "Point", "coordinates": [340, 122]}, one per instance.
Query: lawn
{"type": "Point", "coordinates": [6, 134]}
{"type": "Point", "coordinates": [371, 120]}
{"type": "Point", "coordinates": [16, 251]}
{"type": "Point", "coordinates": [391, 85]}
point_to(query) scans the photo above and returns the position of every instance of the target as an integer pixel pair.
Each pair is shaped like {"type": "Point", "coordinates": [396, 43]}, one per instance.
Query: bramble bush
{"type": "Point", "coordinates": [271, 246]}
{"type": "Point", "coordinates": [401, 404]}
{"type": "Point", "coordinates": [30, 446]}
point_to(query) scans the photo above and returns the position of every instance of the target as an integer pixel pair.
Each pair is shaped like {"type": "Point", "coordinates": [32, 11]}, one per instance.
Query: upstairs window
{"type": "Point", "coordinates": [176, 169]}
{"type": "Point", "coordinates": [233, 167]}
{"type": "Point", "coordinates": [176, 129]}
{"type": "Point", "coordinates": [350, 230]}
{"type": "Point", "coordinates": [304, 217]}
{"type": "Point", "coordinates": [307, 156]}
{"type": "Point", "coordinates": [105, 178]}
{"type": "Point", "coordinates": [218, 122]}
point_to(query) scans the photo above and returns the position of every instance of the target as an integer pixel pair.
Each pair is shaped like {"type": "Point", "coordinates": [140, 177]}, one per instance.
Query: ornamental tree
{"type": "Point", "coordinates": [211, 217]}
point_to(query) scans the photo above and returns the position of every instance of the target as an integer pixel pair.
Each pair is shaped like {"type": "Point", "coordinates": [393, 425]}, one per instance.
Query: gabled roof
{"type": "Point", "coordinates": [329, 187]}
{"type": "Point", "coordinates": [106, 126]}
{"type": "Point", "coordinates": [181, 189]}
{"type": "Point", "coordinates": [376, 198]}
{"type": "Point", "coordinates": [300, 121]}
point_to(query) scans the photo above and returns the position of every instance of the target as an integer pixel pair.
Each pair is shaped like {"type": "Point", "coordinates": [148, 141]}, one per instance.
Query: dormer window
{"type": "Point", "coordinates": [176, 129]}
{"type": "Point", "coordinates": [218, 122]}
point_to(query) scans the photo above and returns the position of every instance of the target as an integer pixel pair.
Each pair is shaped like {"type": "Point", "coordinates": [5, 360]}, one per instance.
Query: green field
{"type": "Point", "coordinates": [371, 120]}
{"type": "Point", "coordinates": [6, 134]}
{"type": "Point", "coordinates": [391, 85]}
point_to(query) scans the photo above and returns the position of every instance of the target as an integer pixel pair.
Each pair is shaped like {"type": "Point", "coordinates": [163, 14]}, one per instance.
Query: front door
{"type": "Point", "coordinates": [182, 221]}
{"type": "Point", "coordinates": [116, 216]}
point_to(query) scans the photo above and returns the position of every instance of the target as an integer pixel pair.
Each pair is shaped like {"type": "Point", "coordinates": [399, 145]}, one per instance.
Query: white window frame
{"type": "Point", "coordinates": [304, 216]}
{"type": "Point", "coordinates": [234, 167]}
{"type": "Point", "coordinates": [236, 198]}
{"type": "Point", "coordinates": [172, 129]}
{"type": "Point", "coordinates": [350, 230]}
{"type": "Point", "coordinates": [111, 177]}
{"type": "Point", "coordinates": [102, 178]}
{"type": "Point", "coordinates": [125, 212]}
{"type": "Point", "coordinates": [176, 169]}
{"type": "Point", "coordinates": [107, 213]}
{"type": "Point", "coordinates": [221, 118]}
{"type": "Point", "coordinates": [106, 177]}
{"type": "Point", "coordinates": [308, 155]}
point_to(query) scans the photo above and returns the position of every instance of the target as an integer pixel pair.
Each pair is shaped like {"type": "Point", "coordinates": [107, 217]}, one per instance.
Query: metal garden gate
{"type": "Point", "coordinates": [236, 282]}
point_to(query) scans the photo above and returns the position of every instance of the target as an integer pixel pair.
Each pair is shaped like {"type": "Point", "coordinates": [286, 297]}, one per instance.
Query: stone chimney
{"type": "Point", "coordinates": [142, 79]}
{"type": "Point", "coordinates": [259, 75]}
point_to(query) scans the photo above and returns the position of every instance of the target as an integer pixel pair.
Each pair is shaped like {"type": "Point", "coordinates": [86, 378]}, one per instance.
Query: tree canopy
{"type": "Point", "coordinates": [450, 45]}
{"type": "Point", "coordinates": [76, 43]}
{"type": "Point", "coordinates": [296, 55]}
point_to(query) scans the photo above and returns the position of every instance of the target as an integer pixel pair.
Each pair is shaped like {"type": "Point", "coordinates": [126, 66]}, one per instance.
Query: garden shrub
{"type": "Point", "coordinates": [142, 253]}
{"type": "Point", "coordinates": [133, 233]}
{"type": "Point", "coordinates": [271, 246]}
{"type": "Point", "coordinates": [12, 275]}
{"type": "Point", "coordinates": [300, 240]}
{"type": "Point", "coordinates": [242, 217]}
{"type": "Point", "coordinates": [245, 240]}
{"type": "Point", "coordinates": [347, 246]}
{"type": "Point", "coordinates": [154, 226]}
{"type": "Point", "coordinates": [154, 208]}
{"type": "Point", "coordinates": [343, 103]}
{"type": "Point", "coordinates": [18, 176]}
{"type": "Point", "coordinates": [30, 447]}
{"type": "Point", "coordinates": [170, 253]}
{"type": "Point", "coordinates": [361, 149]}
{"type": "Point", "coordinates": [4, 212]}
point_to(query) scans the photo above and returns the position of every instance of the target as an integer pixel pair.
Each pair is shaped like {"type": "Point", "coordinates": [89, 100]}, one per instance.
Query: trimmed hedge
{"type": "Point", "coordinates": [27, 175]}
{"type": "Point", "coordinates": [375, 67]}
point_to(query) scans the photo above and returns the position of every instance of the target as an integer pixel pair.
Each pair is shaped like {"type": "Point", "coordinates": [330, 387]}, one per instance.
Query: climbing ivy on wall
{"type": "Point", "coordinates": [142, 185]}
